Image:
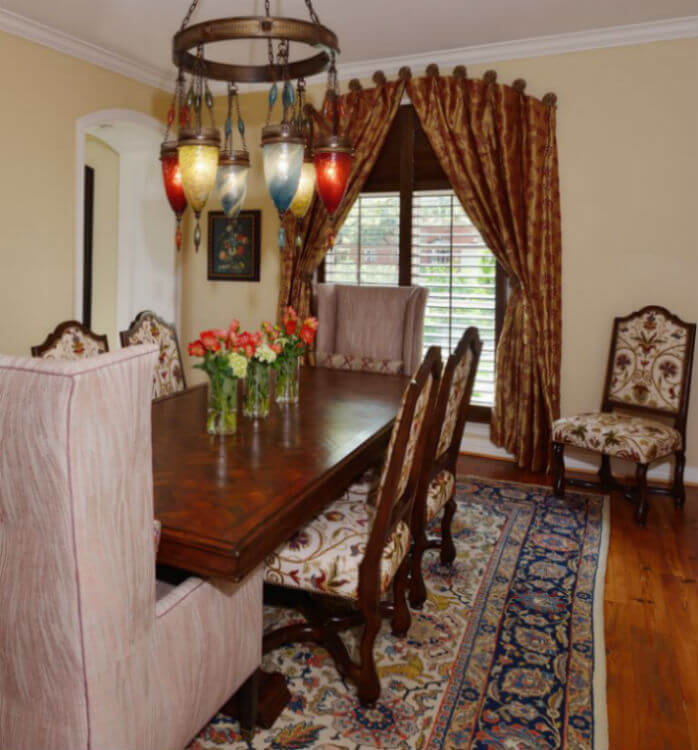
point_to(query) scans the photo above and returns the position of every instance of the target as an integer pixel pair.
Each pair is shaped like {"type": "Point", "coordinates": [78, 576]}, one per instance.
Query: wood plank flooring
{"type": "Point", "coordinates": [651, 617]}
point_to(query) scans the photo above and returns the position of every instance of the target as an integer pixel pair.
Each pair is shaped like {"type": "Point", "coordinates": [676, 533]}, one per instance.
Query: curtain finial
{"type": "Point", "coordinates": [405, 73]}
{"type": "Point", "coordinates": [379, 78]}
{"type": "Point", "coordinates": [460, 71]}
{"type": "Point", "coordinates": [550, 99]}
{"type": "Point", "coordinates": [490, 76]}
{"type": "Point", "coordinates": [519, 85]}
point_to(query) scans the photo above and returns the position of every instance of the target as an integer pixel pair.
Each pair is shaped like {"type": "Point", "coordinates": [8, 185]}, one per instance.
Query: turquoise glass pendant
{"type": "Point", "coordinates": [283, 146]}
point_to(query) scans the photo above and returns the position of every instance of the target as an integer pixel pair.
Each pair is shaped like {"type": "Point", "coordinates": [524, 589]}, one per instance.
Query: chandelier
{"type": "Point", "coordinates": [193, 162]}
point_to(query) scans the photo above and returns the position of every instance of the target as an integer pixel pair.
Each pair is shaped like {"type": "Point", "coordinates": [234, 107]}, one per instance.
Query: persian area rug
{"type": "Point", "coordinates": [507, 654]}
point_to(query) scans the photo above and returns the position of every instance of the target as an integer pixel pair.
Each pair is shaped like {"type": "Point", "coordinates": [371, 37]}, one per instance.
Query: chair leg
{"type": "Point", "coordinates": [678, 490]}
{"type": "Point", "coordinates": [605, 476]}
{"type": "Point", "coordinates": [368, 683]}
{"type": "Point", "coordinates": [418, 591]}
{"type": "Point", "coordinates": [641, 512]}
{"type": "Point", "coordinates": [247, 703]}
{"type": "Point", "coordinates": [402, 620]}
{"type": "Point", "coordinates": [559, 469]}
{"type": "Point", "coordinates": [448, 549]}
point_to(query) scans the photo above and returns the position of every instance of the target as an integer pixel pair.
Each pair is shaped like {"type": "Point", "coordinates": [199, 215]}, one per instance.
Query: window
{"type": "Point", "coordinates": [367, 247]}
{"type": "Point", "coordinates": [408, 227]}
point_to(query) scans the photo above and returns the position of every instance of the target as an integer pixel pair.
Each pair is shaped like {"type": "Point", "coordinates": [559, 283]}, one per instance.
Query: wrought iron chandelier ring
{"type": "Point", "coordinates": [188, 40]}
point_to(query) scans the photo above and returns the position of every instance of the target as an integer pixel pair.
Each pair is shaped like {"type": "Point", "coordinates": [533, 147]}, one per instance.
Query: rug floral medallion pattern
{"type": "Point", "coordinates": [502, 656]}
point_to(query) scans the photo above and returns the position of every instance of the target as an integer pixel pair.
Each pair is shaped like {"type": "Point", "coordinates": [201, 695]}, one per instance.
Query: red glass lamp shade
{"type": "Point", "coordinates": [333, 162]}
{"type": "Point", "coordinates": [172, 177]}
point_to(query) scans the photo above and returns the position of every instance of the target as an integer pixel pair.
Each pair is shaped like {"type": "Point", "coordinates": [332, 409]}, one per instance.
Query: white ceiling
{"type": "Point", "coordinates": [141, 30]}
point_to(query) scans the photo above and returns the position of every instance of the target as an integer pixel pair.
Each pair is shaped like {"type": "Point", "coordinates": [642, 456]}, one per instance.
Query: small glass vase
{"type": "Point", "coordinates": [287, 377]}
{"type": "Point", "coordinates": [257, 382]}
{"type": "Point", "coordinates": [222, 416]}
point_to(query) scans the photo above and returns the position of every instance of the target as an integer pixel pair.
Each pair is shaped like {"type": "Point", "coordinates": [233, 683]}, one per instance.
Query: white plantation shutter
{"type": "Point", "coordinates": [367, 248]}
{"type": "Point", "coordinates": [448, 257]}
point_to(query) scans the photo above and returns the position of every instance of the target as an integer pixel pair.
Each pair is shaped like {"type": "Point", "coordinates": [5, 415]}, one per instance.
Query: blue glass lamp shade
{"type": "Point", "coordinates": [283, 147]}
{"type": "Point", "coordinates": [231, 181]}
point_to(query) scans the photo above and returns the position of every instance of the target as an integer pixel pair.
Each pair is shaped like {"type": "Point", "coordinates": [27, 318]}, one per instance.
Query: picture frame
{"type": "Point", "coordinates": [234, 246]}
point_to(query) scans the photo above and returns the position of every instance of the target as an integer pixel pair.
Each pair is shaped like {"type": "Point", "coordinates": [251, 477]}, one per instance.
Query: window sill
{"type": "Point", "coordinates": [479, 414]}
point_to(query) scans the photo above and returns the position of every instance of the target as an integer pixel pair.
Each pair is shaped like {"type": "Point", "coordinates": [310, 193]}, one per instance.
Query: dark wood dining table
{"type": "Point", "coordinates": [225, 503]}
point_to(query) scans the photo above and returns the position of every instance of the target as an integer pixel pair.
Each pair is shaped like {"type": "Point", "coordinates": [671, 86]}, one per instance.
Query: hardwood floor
{"type": "Point", "coordinates": [651, 617]}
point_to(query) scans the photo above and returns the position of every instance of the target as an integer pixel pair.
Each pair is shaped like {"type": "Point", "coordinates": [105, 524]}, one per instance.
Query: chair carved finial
{"type": "Point", "coordinates": [355, 85]}
{"type": "Point", "coordinates": [550, 99]}
{"type": "Point", "coordinates": [379, 78]}
{"type": "Point", "coordinates": [519, 85]}
{"type": "Point", "coordinates": [433, 69]}
{"type": "Point", "coordinates": [490, 76]}
{"type": "Point", "coordinates": [460, 71]}
{"type": "Point", "coordinates": [405, 73]}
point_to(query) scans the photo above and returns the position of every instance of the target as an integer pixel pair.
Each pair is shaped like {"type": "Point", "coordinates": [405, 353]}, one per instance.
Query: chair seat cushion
{"type": "Point", "coordinates": [439, 493]}
{"type": "Point", "coordinates": [324, 557]}
{"type": "Point", "coordinates": [636, 438]}
{"type": "Point", "coordinates": [359, 363]}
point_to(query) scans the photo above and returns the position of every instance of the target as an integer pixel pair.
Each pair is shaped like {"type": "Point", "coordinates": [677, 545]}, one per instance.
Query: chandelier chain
{"type": "Point", "coordinates": [313, 15]}
{"type": "Point", "coordinates": [190, 12]}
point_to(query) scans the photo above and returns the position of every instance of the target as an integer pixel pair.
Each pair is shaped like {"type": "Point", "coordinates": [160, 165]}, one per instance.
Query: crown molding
{"type": "Point", "coordinates": [612, 36]}
{"type": "Point", "coordinates": [33, 31]}
{"type": "Point", "coordinates": [576, 41]}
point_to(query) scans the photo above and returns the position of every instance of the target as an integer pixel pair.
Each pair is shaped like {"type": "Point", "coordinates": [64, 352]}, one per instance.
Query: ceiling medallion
{"type": "Point", "coordinates": [193, 163]}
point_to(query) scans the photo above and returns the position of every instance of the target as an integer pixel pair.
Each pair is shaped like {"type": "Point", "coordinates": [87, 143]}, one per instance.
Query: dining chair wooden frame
{"type": "Point", "coordinates": [607, 482]}
{"type": "Point", "coordinates": [58, 332]}
{"type": "Point", "coordinates": [325, 618]}
{"type": "Point", "coordinates": [433, 465]}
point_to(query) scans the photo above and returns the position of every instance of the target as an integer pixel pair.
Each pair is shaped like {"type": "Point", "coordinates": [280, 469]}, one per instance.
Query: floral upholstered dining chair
{"type": "Point", "coordinates": [148, 328]}
{"type": "Point", "coordinates": [354, 551]}
{"type": "Point", "coordinates": [71, 340]}
{"type": "Point", "coordinates": [436, 488]}
{"type": "Point", "coordinates": [648, 378]}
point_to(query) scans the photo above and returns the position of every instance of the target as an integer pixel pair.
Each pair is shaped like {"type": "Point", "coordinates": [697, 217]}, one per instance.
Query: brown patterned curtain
{"type": "Point", "coordinates": [497, 146]}
{"type": "Point", "coordinates": [366, 117]}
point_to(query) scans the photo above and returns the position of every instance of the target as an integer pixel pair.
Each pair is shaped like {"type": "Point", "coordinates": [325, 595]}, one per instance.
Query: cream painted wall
{"type": "Point", "coordinates": [46, 92]}
{"type": "Point", "coordinates": [628, 148]}
{"type": "Point", "coordinates": [105, 236]}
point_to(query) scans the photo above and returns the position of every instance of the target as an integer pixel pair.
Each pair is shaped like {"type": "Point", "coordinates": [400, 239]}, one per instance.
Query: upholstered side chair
{"type": "Point", "coordinates": [644, 409]}
{"type": "Point", "coordinates": [355, 551]}
{"type": "Point", "coordinates": [148, 328]}
{"type": "Point", "coordinates": [369, 328]}
{"type": "Point", "coordinates": [94, 653]}
{"type": "Point", "coordinates": [436, 488]}
{"type": "Point", "coordinates": [71, 340]}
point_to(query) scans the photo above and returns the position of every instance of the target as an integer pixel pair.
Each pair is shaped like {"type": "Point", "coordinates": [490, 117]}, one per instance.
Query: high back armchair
{"type": "Point", "coordinates": [369, 328]}
{"type": "Point", "coordinates": [648, 381]}
{"type": "Point", "coordinates": [149, 328]}
{"type": "Point", "coordinates": [436, 488]}
{"type": "Point", "coordinates": [91, 658]}
{"type": "Point", "coordinates": [71, 340]}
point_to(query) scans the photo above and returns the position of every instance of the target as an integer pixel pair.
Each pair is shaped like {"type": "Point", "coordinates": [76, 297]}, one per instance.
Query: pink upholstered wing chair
{"type": "Point", "coordinates": [89, 656]}
{"type": "Point", "coordinates": [370, 328]}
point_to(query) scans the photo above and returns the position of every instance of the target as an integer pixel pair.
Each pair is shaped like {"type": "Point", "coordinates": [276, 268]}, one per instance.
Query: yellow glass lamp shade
{"type": "Point", "coordinates": [198, 160]}
{"type": "Point", "coordinates": [306, 189]}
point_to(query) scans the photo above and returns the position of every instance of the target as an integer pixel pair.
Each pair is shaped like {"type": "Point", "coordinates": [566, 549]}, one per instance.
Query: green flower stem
{"type": "Point", "coordinates": [222, 404]}
{"type": "Point", "coordinates": [256, 401]}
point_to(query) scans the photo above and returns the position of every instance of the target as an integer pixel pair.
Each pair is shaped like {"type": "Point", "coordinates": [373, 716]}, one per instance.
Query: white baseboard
{"type": "Point", "coordinates": [476, 439]}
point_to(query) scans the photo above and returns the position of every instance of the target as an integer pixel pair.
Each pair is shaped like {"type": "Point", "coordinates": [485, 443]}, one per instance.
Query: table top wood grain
{"type": "Point", "coordinates": [225, 503]}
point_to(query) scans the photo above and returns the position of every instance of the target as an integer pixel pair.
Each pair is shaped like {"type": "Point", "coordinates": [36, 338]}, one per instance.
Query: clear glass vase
{"type": "Point", "coordinates": [287, 377]}
{"type": "Point", "coordinates": [256, 400]}
{"type": "Point", "coordinates": [222, 417]}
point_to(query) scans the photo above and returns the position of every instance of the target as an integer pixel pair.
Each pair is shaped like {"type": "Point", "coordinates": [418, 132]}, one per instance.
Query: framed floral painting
{"type": "Point", "coordinates": [233, 246]}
